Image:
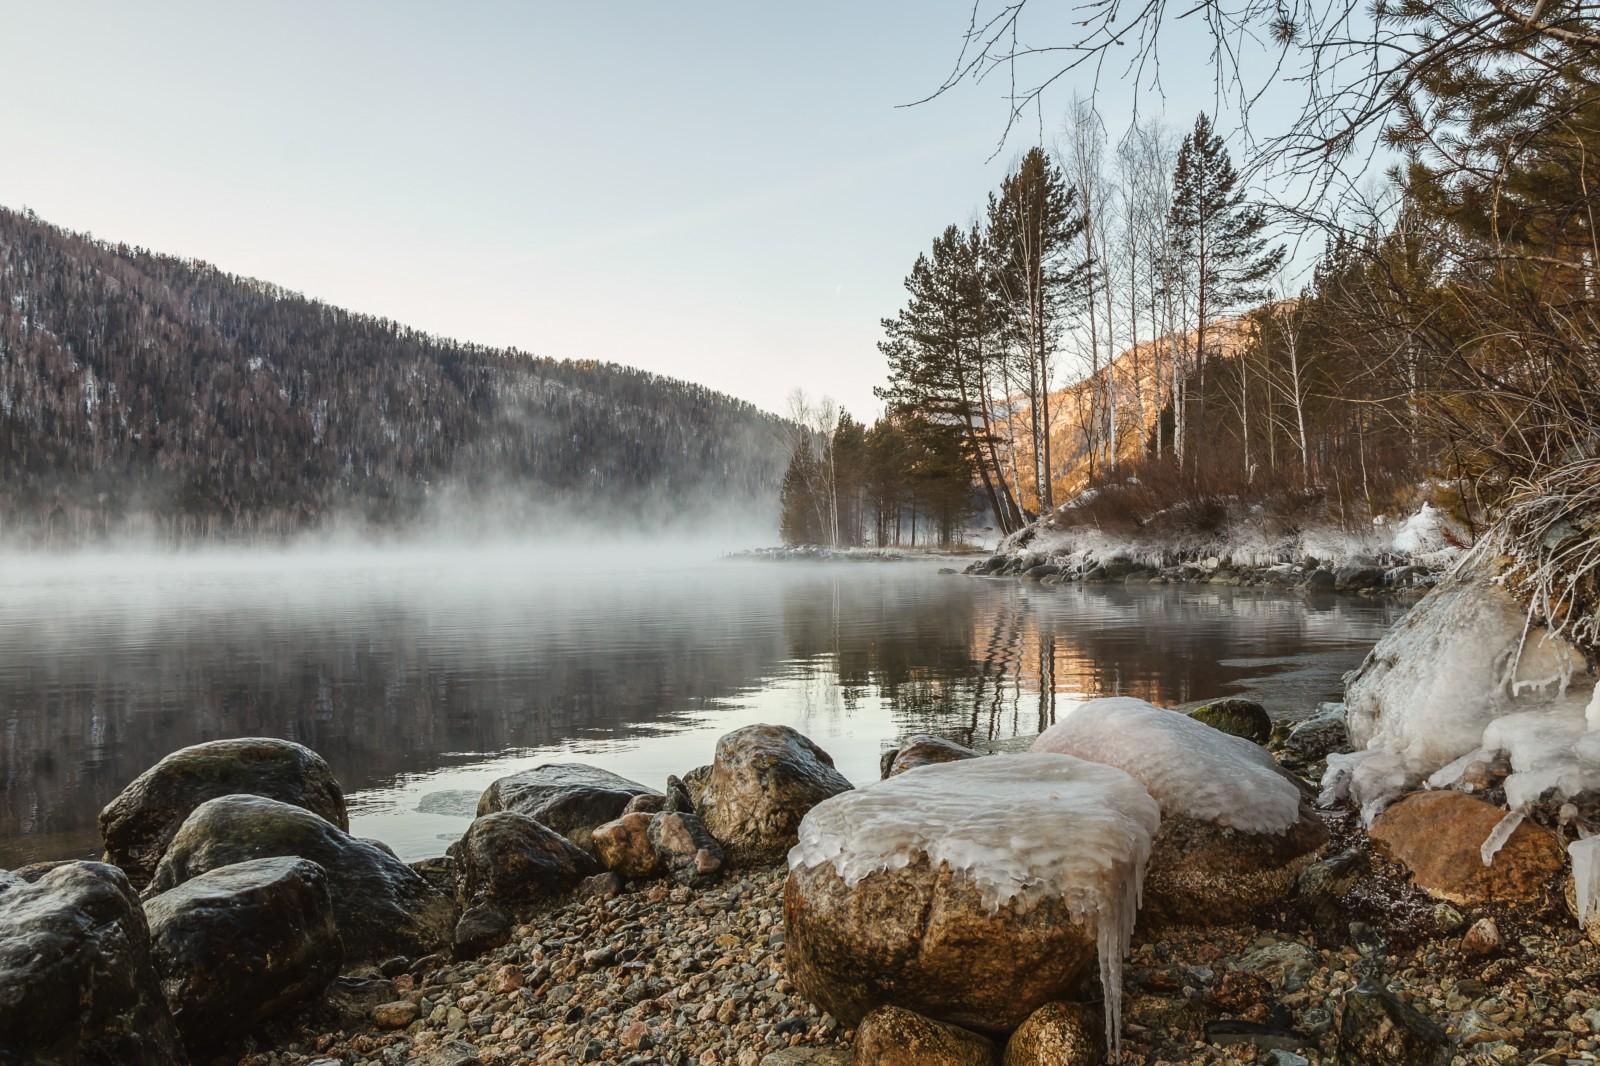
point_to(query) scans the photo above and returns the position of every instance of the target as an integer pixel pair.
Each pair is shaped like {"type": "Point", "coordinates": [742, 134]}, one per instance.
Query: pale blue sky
{"type": "Point", "coordinates": [723, 192]}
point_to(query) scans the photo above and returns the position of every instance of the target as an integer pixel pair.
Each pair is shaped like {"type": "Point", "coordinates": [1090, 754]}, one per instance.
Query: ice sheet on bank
{"type": "Point", "coordinates": [1191, 769]}
{"type": "Point", "coordinates": [1020, 827]}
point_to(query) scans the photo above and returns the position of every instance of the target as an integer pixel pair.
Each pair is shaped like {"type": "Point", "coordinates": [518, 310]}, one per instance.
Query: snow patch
{"type": "Point", "coordinates": [1192, 770]}
{"type": "Point", "coordinates": [1019, 827]}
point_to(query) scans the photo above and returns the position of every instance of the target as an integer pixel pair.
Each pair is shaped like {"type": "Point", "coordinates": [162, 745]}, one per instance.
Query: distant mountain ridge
{"type": "Point", "coordinates": [148, 392]}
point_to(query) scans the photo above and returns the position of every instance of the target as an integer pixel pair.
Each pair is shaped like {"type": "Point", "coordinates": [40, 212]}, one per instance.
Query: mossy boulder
{"type": "Point", "coordinates": [1237, 717]}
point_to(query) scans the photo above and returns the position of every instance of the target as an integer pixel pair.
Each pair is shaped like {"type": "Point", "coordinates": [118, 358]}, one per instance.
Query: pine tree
{"type": "Point", "coordinates": [1218, 237]}
{"type": "Point", "coordinates": [1032, 225]}
{"type": "Point", "coordinates": [798, 522]}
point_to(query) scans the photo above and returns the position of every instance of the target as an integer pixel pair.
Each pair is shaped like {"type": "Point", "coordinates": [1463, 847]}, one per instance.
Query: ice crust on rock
{"type": "Point", "coordinates": [1191, 769]}
{"type": "Point", "coordinates": [1460, 678]}
{"type": "Point", "coordinates": [1020, 827]}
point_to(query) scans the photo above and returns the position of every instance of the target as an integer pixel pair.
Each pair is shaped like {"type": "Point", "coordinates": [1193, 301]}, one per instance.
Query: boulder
{"type": "Point", "coordinates": [242, 943]}
{"type": "Point", "coordinates": [1237, 717]}
{"type": "Point", "coordinates": [1438, 837]}
{"type": "Point", "coordinates": [77, 983]}
{"type": "Point", "coordinates": [570, 798]}
{"type": "Point", "coordinates": [685, 848]}
{"type": "Point", "coordinates": [924, 749]}
{"type": "Point", "coordinates": [1378, 1029]}
{"type": "Point", "coordinates": [481, 928]}
{"type": "Point", "coordinates": [1319, 736]}
{"type": "Point", "coordinates": [623, 846]}
{"type": "Point", "coordinates": [890, 1036]}
{"type": "Point", "coordinates": [138, 824]}
{"type": "Point", "coordinates": [514, 862]}
{"type": "Point", "coordinates": [875, 914]}
{"type": "Point", "coordinates": [763, 781]}
{"type": "Point", "coordinates": [649, 803]}
{"type": "Point", "coordinates": [922, 937]}
{"type": "Point", "coordinates": [694, 784]}
{"type": "Point", "coordinates": [1235, 826]}
{"type": "Point", "coordinates": [1058, 1034]}
{"type": "Point", "coordinates": [1355, 576]}
{"type": "Point", "coordinates": [381, 905]}
{"type": "Point", "coordinates": [1202, 873]}
{"type": "Point", "coordinates": [1321, 581]}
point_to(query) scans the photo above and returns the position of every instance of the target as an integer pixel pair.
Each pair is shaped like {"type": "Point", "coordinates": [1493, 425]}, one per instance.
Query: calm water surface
{"type": "Point", "coordinates": [421, 676]}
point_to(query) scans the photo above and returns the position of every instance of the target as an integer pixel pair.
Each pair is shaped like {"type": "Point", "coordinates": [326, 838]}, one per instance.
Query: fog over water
{"type": "Point", "coordinates": [423, 672]}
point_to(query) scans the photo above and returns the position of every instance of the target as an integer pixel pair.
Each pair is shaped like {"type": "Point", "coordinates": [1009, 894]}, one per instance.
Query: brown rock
{"type": "Point", "coordinates": [763, 781]}
{"type": "Point", "coordinates": [396, 1015]}
{"type": "Point", "coordinates": [1437, 836]}
{"type": "Point", "coordinates": [511, 861]}
{"type": "Point", "coordinates": [924, 749]}
{"type": "Point", "coordinates": [1201, 873]}
{"type": "Point", "coordinates": [1058, 1034]}
{"type": "Point", "coordinates": [624, 847]}
{"type": "Point", "coordinates": [1482, 939]}
{"type": "Point", "coordinates": [891, 1036]}
{"type": "Point", "coordinates": [921, 938]}
{"type": "Point", "coordinates": [685, 847]}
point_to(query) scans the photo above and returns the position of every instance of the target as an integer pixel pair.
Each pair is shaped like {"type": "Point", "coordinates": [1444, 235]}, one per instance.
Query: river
{"type": "Point", "coordinates": [423, 674]}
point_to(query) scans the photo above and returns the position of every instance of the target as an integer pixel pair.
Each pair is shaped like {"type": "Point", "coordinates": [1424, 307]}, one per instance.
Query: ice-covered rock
{"type": "Point", "coordinates": [1192, 770]}
{"type": "Point", "coordinates": [1585, 886]}
{"type": "Point", "coordinates": [972, 892]}
{"type": "Point", "coordinates": [1428, 692]}
{"type": "Point", "coordinates": [1235, 827]}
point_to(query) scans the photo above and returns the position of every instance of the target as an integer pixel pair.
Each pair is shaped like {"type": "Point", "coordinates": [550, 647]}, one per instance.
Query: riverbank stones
{"type": "Point", "coordinates": [77, 982]}
{"type": "Point", "coordinates": [513, 862]}
{"type": "Point", "coordinates": [242, 943]}
{"type": "Point", "coordinates": [762, 782]}
{"type": "Point", "coordinates": [382, 906]}
{"type": "Point", "coordinates": [139, 823]}
{"type": "Point", "coordinates": [571, 798]}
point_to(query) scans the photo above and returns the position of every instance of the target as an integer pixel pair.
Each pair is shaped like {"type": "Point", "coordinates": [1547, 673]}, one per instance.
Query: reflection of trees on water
{"type": "Point", "coordinates": [992, 660]}
{"type": "Point", "coordinates": [403, 683]}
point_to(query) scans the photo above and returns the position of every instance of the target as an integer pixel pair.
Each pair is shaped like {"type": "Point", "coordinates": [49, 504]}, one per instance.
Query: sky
{"type": "Point", "coordinates": [726, 193]}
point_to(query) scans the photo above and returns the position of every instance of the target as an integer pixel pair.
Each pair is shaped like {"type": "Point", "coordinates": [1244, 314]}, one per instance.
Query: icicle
{"type": "Point", "coordinates": [1586, 876]}
{"type": "Point", "coordinates": [1499, 835]}
{"type": "Point", "coordinates": [1452, 772]}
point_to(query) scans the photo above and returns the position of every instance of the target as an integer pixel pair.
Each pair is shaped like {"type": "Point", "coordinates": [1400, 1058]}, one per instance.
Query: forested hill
{"type": "Point", "coordinates": [147, 392]}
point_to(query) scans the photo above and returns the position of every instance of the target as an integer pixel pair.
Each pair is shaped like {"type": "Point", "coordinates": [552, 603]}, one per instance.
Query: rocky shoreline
{"type": "Point", "coordinates": [1399, 577]}
{"type": "Point", "coordinates": [587, 918]}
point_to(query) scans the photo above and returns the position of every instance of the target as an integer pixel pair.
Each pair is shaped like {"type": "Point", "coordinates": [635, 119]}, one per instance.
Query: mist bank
{"type": "Point", "coordinates": [156, 398]}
